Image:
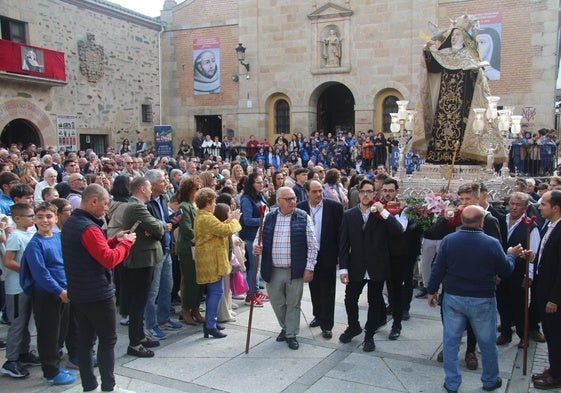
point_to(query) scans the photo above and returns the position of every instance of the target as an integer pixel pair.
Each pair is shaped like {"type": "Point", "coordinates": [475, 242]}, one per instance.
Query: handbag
{"type": "Point", "coordinates": [238, 285]}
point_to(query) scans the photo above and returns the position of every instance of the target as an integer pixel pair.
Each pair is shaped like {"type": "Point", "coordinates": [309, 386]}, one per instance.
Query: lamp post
{"type": "Point", "coordinates": [401, 127]}
{"type": "Point", "coordinates": [499, 122]}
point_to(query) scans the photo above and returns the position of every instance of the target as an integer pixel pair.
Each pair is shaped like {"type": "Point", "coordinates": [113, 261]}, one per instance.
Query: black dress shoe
{"type": "Point", "coordinates": [395, 333]}
{"type": "Point", "coordinates": [547, 383]}
{"type": "Point", "coordinates": [449, 390]}
{"type": "Point", "coordinates": [314, 323]}
{"type": "Point", "coordinates": [349, 333]}
{"type": "Point", "coordinates": [282, 336]}
{"type": "Point", "coordinates": [497, 385]}
{"type": "Point", "coordinates": [150, 343]}
{"type": "Point", "coordinates": [292, 343]}
{"type": "Point", "coordinates": [405, 316]}
{"type": "Point", "coordinates": [326, 334]}
{"type": "Point", "coordinates": [368, 344]}
{"type": "Point", "coordinates": [213, 332]}
{"type": "Point", "coordinates": [140, 352]}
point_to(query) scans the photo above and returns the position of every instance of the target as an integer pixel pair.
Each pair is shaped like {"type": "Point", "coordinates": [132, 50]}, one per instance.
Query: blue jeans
{"type": "Point", "coordinates": [482, 315]}
{"type": "Point", "coordinates": [251, 262]}
{"type": "Point", "coordinates": [160, 289]}
{"type": "Point", "coordinates": [214, 291]}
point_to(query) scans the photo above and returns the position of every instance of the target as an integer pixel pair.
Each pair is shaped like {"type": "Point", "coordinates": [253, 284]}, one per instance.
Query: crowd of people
{"type": "Point", "coordinates": [79, 231]}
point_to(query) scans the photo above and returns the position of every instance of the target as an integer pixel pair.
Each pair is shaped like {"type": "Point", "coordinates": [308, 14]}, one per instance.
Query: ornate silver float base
{"type": "Point", "coordinates": [432, 177]}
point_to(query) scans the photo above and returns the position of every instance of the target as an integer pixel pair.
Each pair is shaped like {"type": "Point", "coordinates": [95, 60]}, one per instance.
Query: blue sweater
{"type": "Point", "coordinates": [42, 268]}
{"type": "Point", "coordinates": [467, 262]}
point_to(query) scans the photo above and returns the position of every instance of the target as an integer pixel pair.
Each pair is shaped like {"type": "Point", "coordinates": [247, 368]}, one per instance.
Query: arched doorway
{"type": "Point", "coordinates": [335, 109]}
{"type": "Point", "coordinates": [20, 131]}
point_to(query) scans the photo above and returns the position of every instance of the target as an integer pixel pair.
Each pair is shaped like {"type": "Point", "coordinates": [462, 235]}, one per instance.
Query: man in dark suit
{"type": "Point", "coordinates": [327, 216]}
{"type": "Point", "coordinates": [548, 289]}
{"type": "Point", "coordinates": [364, 258]}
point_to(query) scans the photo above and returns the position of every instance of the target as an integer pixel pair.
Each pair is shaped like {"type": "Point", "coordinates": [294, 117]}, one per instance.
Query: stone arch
{"type": "Point", "coordinates": [21, 114]}
{"type": "Point", "coordinates": [383, 106]}
{"type": "Point", "coordinates": [334, 105]}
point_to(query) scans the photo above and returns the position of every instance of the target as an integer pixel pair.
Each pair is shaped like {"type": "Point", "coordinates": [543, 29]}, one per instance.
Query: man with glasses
{"type": "Point", "coordinates": [289, 250]}
{"type": "Point", "coordinates": [77, 183]}
{"type": "Point", "coordinates": [364, 258]}
{"type": "Point", "coordinates": [129, 168]}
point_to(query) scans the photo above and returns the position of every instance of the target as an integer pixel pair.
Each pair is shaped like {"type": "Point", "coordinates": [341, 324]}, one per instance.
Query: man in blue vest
{"type": "Point", "coordinates": [289, 250]}
{"type": "Point", "coordinates": [88, 260]}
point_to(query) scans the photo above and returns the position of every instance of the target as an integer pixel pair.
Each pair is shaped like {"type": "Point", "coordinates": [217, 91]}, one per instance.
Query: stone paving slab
{"type": "Point", "coordinates": [186, 362]}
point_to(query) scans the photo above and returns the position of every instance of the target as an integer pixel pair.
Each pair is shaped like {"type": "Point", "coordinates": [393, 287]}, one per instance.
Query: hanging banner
{"type": "Point", "coordinates": [206, 66]}
{"type": "Point", "coordinates": [67, 138]}
{"type": "Point", "coordinates": [163, 141]}
{"type": "Point", "coordinates": [490, 35]}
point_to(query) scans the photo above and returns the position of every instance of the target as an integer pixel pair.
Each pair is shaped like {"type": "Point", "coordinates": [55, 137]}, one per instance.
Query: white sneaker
{"type": "Point", "coordinates": [124, 321]}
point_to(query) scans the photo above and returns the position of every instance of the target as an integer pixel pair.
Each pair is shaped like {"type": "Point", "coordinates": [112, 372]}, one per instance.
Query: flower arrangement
{"type": "Point", "coordinates": [423, 212]}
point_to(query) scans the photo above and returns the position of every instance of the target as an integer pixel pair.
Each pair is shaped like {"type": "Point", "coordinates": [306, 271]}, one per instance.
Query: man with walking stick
{"type": "Point", "coordinates": [289, 249]}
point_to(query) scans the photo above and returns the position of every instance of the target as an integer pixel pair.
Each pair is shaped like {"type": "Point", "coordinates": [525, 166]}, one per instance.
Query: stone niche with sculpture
{"type": "Point", "coordinates": [457, 127]}
{"type": "Point", "coordinates": [331, 38]}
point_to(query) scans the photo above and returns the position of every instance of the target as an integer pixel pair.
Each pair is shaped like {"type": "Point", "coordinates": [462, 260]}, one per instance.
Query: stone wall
{"type": "Point", "coordinates": [110, 105]}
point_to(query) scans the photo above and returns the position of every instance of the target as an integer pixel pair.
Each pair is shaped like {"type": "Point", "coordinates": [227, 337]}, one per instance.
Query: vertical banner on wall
{"type": "Point", "coordinates": [206, 65]}
{"type": "Point", "coordinates": [163, 141]}
{"type": "Point", "coordinates": [66, 133]}
{"type": "Point", "coordinates": [490, 35]}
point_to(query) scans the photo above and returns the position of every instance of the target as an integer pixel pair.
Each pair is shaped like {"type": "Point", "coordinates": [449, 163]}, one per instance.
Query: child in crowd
{"type": "Point", "coordinates": [42, 276]}
{"type": "Point", "coordinates": [49, 193]}
{"type": "Point", "coordinates": [18, 304]}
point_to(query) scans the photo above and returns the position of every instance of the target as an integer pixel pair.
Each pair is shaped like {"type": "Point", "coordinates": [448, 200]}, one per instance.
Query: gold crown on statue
{"type": "Point", "coordinates": [468, 23]}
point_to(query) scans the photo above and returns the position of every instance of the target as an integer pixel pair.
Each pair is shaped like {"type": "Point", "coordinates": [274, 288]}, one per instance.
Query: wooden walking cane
{"type": "Point", "coordinates": [526, 284]}
{"type": "Point", "coordinates": [262, 209]}
{"type": "Point", "coordinates": [451, 174]}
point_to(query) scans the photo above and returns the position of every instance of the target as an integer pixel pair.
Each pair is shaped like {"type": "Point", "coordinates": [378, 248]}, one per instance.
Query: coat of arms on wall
{"type": "Point", "coordinates": [92, 59]}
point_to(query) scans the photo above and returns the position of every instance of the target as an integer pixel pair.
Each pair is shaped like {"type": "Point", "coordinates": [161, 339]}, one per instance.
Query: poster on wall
{"type": "Point", "coordinates": [66, 133]}
{"type": "Point", "coordinates": [490, 35]}
{"type": "Point", "coordinates": [206, 65]}
{"type": "Point", "coordinates": [32, 59]}
{"type": "Point", "coordinates": [163, 141]}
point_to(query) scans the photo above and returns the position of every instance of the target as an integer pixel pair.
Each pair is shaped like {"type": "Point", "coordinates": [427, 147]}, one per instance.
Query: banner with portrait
{"type": "Point", "coordinates": [490, 35]}
{"type": "Point", "coordinates": [206, 65]}
{"type": "Point", "coordinates": [67, 138]}
{"type": "Point", "coordinates": [163, 141]}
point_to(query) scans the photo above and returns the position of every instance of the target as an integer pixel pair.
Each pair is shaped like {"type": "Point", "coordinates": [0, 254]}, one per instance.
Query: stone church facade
{"type": "Point", "coordinates": [339, 65]}
{"type": "Point", "coordinates": [110, 60]}
{"type": "Point", "coordinates": [309, 66]}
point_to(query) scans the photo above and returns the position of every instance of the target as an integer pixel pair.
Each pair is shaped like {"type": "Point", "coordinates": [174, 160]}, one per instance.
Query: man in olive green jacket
{"type": "Point", "coordinates": [139, 266]}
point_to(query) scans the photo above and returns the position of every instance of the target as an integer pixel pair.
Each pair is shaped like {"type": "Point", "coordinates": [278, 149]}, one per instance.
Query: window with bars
{"type": "Point", "coordinates": [282, 116]}
{"type": "Point", "coordinates": [388, 106]}
{"type": "Point", "coordinates": [147, 114]}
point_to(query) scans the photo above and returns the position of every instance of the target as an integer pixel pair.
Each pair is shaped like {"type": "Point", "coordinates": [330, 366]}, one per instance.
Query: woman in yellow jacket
{"type": "Point", "coordinates": [211, 254]}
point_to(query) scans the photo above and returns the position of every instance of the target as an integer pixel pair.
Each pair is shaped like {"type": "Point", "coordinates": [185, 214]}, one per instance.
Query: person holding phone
{"type": "Point", "coordinates": [88, 257]}
{"type": "Point", "coordinates": [139, 266]}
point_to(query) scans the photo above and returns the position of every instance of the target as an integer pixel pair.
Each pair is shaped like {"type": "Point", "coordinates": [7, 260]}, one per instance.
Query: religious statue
{"type": "Point", "coordinates": [332, 50]}
{"type": "Point", "coordinates": [452, 83]}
